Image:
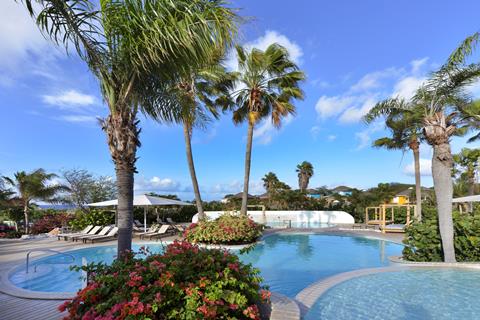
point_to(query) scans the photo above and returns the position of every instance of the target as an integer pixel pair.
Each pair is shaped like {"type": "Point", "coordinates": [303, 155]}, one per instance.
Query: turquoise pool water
{"type": "Point", "coordinates": [288, 262]}
{"type": "Point", "coordinates": [298, 224]}
{"type": "Point", "coordinates": [436, 294]}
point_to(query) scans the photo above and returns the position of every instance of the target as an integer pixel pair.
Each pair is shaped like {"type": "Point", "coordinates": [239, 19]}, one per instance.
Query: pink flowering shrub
{"type": "Point", "coordinates": [185, 282]}
{"type": "Point", "coordinates": [226, 229]}
{"type": "Point", "coordinates": [50, 221]}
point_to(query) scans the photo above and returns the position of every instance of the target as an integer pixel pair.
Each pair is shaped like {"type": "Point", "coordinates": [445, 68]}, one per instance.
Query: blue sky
{"type": "Point", "coordinates": [353, 52]}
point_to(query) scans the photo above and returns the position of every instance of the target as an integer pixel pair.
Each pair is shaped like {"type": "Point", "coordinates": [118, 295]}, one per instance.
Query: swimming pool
{"type": "Point", "coordinates": [288, 262]}
{"type": "Point", "coordinates": [297, 224]}
{"type": "Point", "coordinates": [413, 294]}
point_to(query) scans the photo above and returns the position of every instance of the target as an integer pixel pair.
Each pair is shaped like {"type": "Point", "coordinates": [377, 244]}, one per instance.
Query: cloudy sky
{"type": "Point", "coordinates": [353, 52]}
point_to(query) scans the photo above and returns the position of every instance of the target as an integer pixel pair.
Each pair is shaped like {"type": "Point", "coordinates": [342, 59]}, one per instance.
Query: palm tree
{"type": "Point", "coordinates": [268, 82]}
{"type": "Point", "coordinates": [443, 102]}
{"type": "Point", "coordinates": [5, 193]}
{"type": "Point", "coordinates": [194, 100]}
{"type": "Point", "coordinates": [134, 47]}
{"type": "Point", "coordinates": [305, 172]}
{"type": "Point", "coordinates": [270, 180]}
{"type": "Point", "coordinates": [468, 159]}
{"type": "Point", "coordinates": [405, 127]}
{"type": "Point", "coordinates": [34, 186]}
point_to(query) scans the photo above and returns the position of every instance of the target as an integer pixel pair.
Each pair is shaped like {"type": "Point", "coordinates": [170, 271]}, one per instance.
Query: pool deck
{"type": "Point", "coordinates": [14, 305]}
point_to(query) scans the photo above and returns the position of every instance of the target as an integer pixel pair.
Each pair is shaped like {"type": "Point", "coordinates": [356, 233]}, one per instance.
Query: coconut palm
{"type": "Point", "coordinates": [405, 128]}
{"type": "Point", "coordinates": [134, 47]}
{"type": "Point", "coordinates": [268, 82]}
{"type": "Point", "coordinates": [269, 182]}
{"type": "Point", "coordinates": [194, 100]}
{"type": "Point", "coordinates": [468, 160]}
{"type": "Point", "coordinates": [305, 172]}
{"type": "Point", "coordinates": [35, 185]}
{"type": "Point", "coordinates": [444, 102]}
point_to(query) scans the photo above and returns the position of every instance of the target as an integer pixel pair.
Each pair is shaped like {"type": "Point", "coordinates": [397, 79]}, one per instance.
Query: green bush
{"type": "Point", "coordinates": [424, 243]}
{"type": "Point", "coordinates": [186, 282]}
{"type": "Point", "coordinates": [226, 229]}
{"type": "Point", "coordinates": [92, 217]}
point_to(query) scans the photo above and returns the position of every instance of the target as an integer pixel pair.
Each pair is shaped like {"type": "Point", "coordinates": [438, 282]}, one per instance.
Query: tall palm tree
{"type": "Point", "coordinates": [133, 47]}
{"type": "Point", "coordinates": [194, 99]}
{"type": "Point", "coordinates": [305, 172]}
{"type": "Point", "coordinates": [405, 127]}
{"type": "Point", "coordinates": [468, 160]}
{"type": "Point", "coordinates": [443, 102]}
{"type": "Point", "coordinates": [34, 186]}
{"type": "Point", "coordinates": [268, 84]}
{"type": "Point", "coordinates": [270, 180]}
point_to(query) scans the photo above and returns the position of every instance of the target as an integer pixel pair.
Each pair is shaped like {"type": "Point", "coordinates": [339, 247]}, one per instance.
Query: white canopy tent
{"type": "Point", "coordinates": [475, 198]}
{"type": "Point", "coordinates": [143, 200]}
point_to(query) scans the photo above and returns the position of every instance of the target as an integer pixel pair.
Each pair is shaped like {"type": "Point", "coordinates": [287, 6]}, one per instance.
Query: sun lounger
{"type": "Point", "coordinates": [179, 227]}
{"type": "Point", "coordinates": [83, 232]}
{"type": "Point", "coordinates": [152, 230]}
{"type": "Point", "coordinates": [102, 232]}
{"type": "Point", "coordinates": [93, 231]}
{"type": "Point", "coordinates": [110, 236]}
{"type": "Point", "coordinates": [164, 230]}
{"type": "Point", "coordinates": [398, 227]}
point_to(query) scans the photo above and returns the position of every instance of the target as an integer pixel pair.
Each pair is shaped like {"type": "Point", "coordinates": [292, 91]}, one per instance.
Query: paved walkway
{"type": "Point", "coordinates": [13, 253]}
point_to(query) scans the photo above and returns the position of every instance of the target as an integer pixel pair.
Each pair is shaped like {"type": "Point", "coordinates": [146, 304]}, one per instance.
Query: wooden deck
{"type": "Point", "coordinates": [12, 308]}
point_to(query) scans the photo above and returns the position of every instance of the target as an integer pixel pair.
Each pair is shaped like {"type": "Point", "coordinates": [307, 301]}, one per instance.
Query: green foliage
{"type": "Point", "coordinates": [424, 243]}
{"type": "Point", "coordinates": [186, 282]}
{"type": "Point", "coordinates": [92, 217]}
{"type": "Point", "coordinates": [226, 229]}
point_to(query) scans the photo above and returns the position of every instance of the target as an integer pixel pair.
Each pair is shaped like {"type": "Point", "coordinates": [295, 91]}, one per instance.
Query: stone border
{"type": "Point", "coordinates": [283, 308]}
{"type": "Point", "coordinates": [468, 265]}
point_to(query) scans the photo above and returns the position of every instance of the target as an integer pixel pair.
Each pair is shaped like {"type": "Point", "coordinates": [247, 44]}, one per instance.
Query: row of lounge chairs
{"type": "Point", "coordinates": [161, 231]}
{"type": "Point", "coordinates": [92, 234]}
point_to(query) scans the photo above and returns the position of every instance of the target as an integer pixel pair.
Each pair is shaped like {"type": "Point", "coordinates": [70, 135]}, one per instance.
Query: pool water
{"type": "Point", "coordinates": [288, 262]}
{"type": "Point", "coordinates": [415, 295]}
{"type": "Point", "coordinates": [298, 224]}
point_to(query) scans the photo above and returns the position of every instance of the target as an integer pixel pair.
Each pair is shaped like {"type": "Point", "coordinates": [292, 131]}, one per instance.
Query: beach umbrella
{"type": "Point", "coordinates": [145, 201]}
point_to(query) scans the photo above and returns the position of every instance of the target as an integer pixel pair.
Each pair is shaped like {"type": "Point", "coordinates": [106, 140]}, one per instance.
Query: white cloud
{"type": "Point", "coordinates": [425, 168]}
{"type": "Point", "coordinates": [68, 99]}
{"type": "Point", "coordinates": [314, 131]}
{"type": "Point", "coordinates": [78, 118]}
{"type": "Point", "coordinates": [235, 186]}
{"type": "Point", "coordinates": [327, 107]}
{"type": "Point", "coordinates": [474, 89]}
{"type": "Point", "coordinates": [373, 80]}
{"type": "Point", "coordinates": [19, 36]}
{"type": "Point", "coordinates": [156, 184]}
{"type": "Point", "coordinates": [355, 114]}
{"type": "Point", "coordinates": [406, 87]}
{"type": "Point", "coordinates": [262, 43]}
{"type": "Point", "coordinates": [265, 131]}
{"type": "Point", "coordinates": [418, 64]}
{"type": "Point", "coordinates": [332, 137]}
{"type": "Point", "coordinates": [364, 137]}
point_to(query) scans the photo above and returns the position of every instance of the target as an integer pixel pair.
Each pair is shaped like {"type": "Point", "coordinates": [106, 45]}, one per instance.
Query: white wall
{"type": "Point", "coordinates": [331, 217]}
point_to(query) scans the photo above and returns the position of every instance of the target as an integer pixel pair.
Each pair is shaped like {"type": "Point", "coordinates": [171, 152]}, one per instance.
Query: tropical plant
{"type": "Point", "coordinates": [268, 82]}
{"type": "Point", "coordinates": [35, 185]}
{"type": "Point", "coordinates": [466, 163]}
{"type": "Point", "coordinates": [226, 229]}
{"type": "Point", "coordinates": [134, 47]}
{"type": "Point", "coordinates": [194, 100]}
{"type": "Point", "coordinates": [50, 221]}
{"type": "Point", "coordinates": [92, 217]}
{"type": "Point", "coordinates": [185, 282]}
{"type": "Point", "coordinates": [443, 102]}
{"type": "Point", "coordinates": [423, 241]}
{"type": "Point", "coordinates": [405, 126]}
{"type": "Point", "coordinates": [305, 172]}
{"type": "Point", "coordinates": [5, 194]}
{"type": "Point", "coordinates": [270, 180]}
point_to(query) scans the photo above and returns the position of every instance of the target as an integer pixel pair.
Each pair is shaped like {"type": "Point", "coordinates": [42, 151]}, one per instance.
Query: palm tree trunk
{"type": "Point", "coordinates": [187, 132]}
{"type": "Point", "coordinates": [248, 158]}
{"type": "Point", "coordinates": [418, 184]}
{"type": "Point", "coordinates": [122, 137]}
{"type": "Point", "coordinates": [124, 208]}
{"type": "Point", "coordinates": [442, 180]}
{"type": "Point", "coordinates": [471, 189]}
{"type": "Point", "coordinates": [25, 214]}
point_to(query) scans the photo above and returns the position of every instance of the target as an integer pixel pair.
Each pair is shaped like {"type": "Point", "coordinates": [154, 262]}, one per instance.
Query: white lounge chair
{"type": "Point", "coordinates": [102, 232]}
{"type": "Point", "coordinates": [83, 232]}
{"type": "Point", "coordinates": [93, 231]}
{"type": "Point", "coordinates": [110, 236]}
{"type": "Point", "coordinates": [152, 230]}
{"type": "Point", "coordinates": [165, 230]}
